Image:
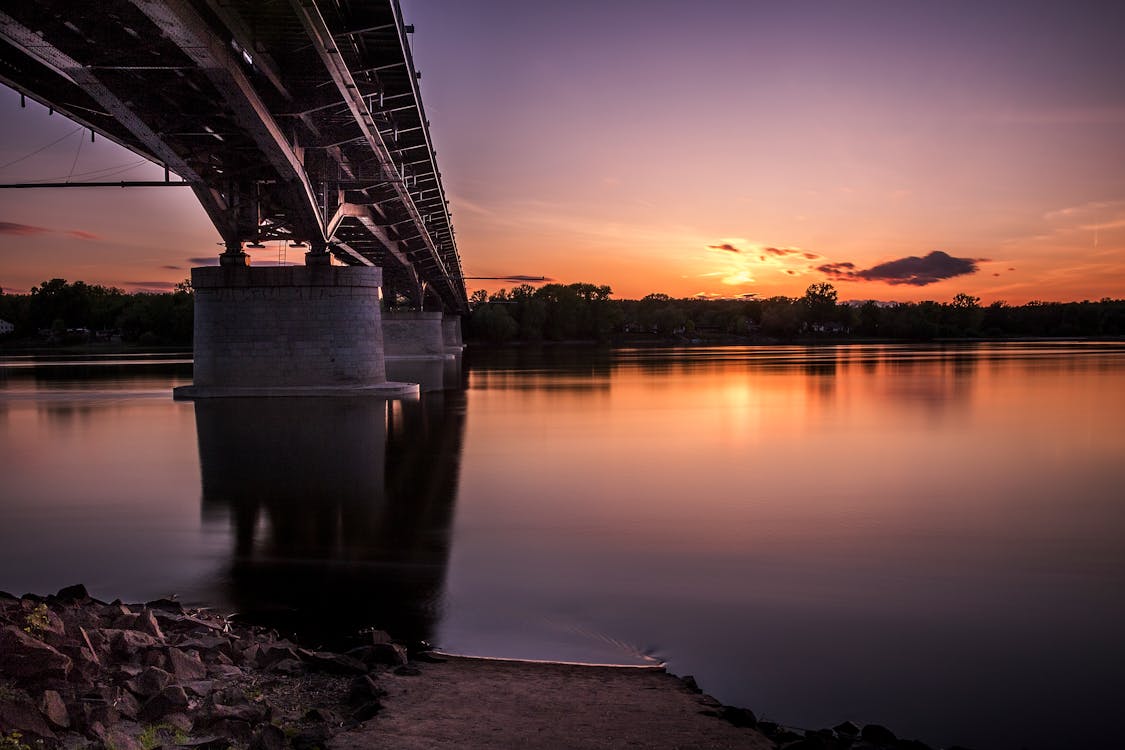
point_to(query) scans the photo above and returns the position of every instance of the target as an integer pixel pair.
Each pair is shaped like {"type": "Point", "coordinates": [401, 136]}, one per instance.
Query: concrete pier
{"type": "Point", "coordinates": [289, 331]}
{"type": "Point", "coordinates": [451, 334]}
{"type": "Point", "coordinates": [413, 334]}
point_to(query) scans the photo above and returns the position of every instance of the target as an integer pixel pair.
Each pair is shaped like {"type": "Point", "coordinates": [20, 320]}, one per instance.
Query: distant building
{"type": "Point", "coordinates": [6, 328]}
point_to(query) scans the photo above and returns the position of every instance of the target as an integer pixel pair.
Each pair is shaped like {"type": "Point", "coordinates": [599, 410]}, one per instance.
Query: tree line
{"type": "Point", "coordinates": [558, 312]}
{"type": "Point", "coordinates": [61, 312]}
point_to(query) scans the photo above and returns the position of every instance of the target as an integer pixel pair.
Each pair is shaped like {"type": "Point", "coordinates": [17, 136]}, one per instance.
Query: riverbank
{"type": "Point", "coordinates": [78, 672]}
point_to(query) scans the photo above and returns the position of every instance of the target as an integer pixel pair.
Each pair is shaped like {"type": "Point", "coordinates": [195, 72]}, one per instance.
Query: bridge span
{"type": "Point", "coordinates": [291, 120]}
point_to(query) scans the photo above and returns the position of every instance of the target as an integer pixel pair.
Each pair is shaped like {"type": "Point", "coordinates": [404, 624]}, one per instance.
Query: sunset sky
{"type": "Point", "coordinates": [901, 149]}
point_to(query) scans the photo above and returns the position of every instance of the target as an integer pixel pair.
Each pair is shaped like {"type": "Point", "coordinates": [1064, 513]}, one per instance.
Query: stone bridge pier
{"type": "Point", "coordinates": [313, 330]}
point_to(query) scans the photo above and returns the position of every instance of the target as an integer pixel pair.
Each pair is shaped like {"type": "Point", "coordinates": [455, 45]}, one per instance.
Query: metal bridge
{"type": "Point", "coordinates": [291, 120]}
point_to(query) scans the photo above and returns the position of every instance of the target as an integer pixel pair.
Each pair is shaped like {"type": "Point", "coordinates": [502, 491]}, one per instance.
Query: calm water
{"type": "Point", "coordinates": [931, 538]}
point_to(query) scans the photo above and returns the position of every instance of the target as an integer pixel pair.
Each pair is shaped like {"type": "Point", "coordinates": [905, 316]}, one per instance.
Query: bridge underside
{"type": "Point", "coordinates": [297, 121]}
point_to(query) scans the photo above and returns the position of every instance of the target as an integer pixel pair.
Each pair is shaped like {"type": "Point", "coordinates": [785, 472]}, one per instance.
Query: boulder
{"type": "Point", "coordinates": [75, 593]}
{"type": "Point", "coordinates": [146, 623]}
{"type": "Point", "coordinates": [268, 737]}
{"type": "Point", "coordinates": [22, 716]}
{"type": "Point", "coordinates": [171, 699]}
{"type": "Point", "coordinates": [25, 657]}
{"type": "Point", "coordinates": [332, 663]}
{"type": "Point", "coordinates": [877, 734]}
{"type": "Point", "coordinates": [149, 682]}
{"type": "Point", "coordinates": [186, 666]}
{"type": "Point", "coordinates": [364, 689]}
{"type": "Point", "coordinates": [129, 644]}
{"type": "Point", "coordinates": [52, 706]}
{"type": "Point", "coordinates": [389, 653]}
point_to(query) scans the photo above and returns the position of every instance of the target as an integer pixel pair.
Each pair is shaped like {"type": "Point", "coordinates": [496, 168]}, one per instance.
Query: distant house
{"type": "Point", "coordinates": [6, 327]}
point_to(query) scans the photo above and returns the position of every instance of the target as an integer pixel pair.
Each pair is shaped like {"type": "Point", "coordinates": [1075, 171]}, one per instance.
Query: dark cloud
{"type": "Point", "coordinates": [173, 268]}
{"type": "Point", "coordinates": [79, 234]}
{"type": "Point", "coordinates": [911, 270]}
{"type": "Point", "coordinates": [810, 256]}
{"type": "Point", "coordinates": [725, 246]}
{"type": "Point", "coordinates": [207, 260]}
{"type": "Point", "coordinates": [21, 230]}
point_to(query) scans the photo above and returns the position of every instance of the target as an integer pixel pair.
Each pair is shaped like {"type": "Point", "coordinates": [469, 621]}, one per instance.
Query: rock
{"type": "Point", "coordinates": [325, 715]}
{"type": "Point", "coordinates": [201, 688]}
{"type": "Point", "coordinates": [207, 743]}
{"type": "Point", "coordinates": [127, 705]}
{"type": "Point", "coordinates": [120, 738]}
{"type": "Point", "coordinates": [126, 622]}
{"type": "Point", "coordinates": [389, 653]}
{"type": "Point", "coordinates": [332, 663]}
{"type": "Point", "coordinates": [185, 666]}
{"type": "Point", "coordinates": [22, 716]}
{"type": "Point", "coordinates": [846, 730]}
{"type": "Point", "coordinates": [269, 737]}
{"type": "Point", "coordinates": [233, 729]}
{"type": "Point", "coordinates": [251, 713]}
{"type": "Point", "coordinates": [740, 717]}
{"type": "Point", "coordinates": [75, 593]}
{"type": "Point", "coordinates": [408, 671]}
{"type": "Point", "coordinates": [208, 644]}
{"type": "Point", "coordinates": [25, 657]}
{"type": "Point", "coordinates": [166, 605]}
{"type": "Point", "coordinates": [877, 734]}
{"type": "Point", "coordinates": [271, 653]}
{"type": "Point", "coordinates": [367, 711]}
{"type": "Point", "coordinates": [171, 699]}
{"type": "Point", "coordinates": [312, 738]}
{"type": "Point", "coordinates": [364, 689]}
{"type": "Point", "coordinates": [287, 666]}
{"type": "Point", "coordinates": [379, 636]}
{"type": "Point", "coordinates": [147, 623]}
{"type": "Point", "coordinates": [129, 644]}
{"type": "Point", "coordinates": [225, 671]}
{"type": "Point", "coordinates": [690, 683]}
{"type": "Point", "coordinates": [149, 682]}
{"type": "Point", "coordinates": [51, 705]}
{"type": "Point", "coordinates": [178, 721]}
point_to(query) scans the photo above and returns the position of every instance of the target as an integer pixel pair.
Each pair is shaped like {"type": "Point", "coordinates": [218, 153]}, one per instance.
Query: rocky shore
{"type": "Point", "coordinates": [76, 672]}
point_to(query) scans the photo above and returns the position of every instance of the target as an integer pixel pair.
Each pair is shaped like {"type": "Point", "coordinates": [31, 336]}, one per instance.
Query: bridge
{"type": "Point", "coordinates": [291, 120]}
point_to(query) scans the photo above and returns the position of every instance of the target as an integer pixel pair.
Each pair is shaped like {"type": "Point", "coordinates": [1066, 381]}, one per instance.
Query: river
{"type": "Point", "coordinates": [928, 537]}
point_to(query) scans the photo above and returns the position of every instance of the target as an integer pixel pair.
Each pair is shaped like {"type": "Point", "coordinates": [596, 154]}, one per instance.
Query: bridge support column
{"type": "Point", "coordinates": [451, 333]}
{"type": "Point", "coordinates": [289, 331]}
{"type": "Point", "coordinates": [413, 334]}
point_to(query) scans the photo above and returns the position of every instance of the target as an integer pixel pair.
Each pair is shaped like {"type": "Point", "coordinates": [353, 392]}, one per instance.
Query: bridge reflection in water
{"type": "Point", "coordinates": [341, 508]}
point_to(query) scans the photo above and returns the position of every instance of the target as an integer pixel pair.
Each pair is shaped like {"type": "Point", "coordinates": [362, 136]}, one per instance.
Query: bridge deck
{"type": "Point", "coordinates": [293, 121]}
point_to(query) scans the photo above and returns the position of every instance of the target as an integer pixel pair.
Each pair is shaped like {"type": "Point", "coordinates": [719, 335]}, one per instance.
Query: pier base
{"type": "Point", "coordinates": [414, 334]}
{"type": "Point", "coordinates": [289, 331]}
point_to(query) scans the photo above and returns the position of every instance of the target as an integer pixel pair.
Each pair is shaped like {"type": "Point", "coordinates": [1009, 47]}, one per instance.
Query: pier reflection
{"type": "Point", "coordinates": [340, 508]}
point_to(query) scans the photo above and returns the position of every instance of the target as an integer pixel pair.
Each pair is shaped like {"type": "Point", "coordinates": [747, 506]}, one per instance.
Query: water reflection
{"type": "Point", "coordinates": [340, 508]}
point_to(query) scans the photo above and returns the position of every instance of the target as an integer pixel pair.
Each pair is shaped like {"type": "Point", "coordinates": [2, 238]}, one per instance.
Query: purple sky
{"type": "Point", "coordinates": [627, 143]}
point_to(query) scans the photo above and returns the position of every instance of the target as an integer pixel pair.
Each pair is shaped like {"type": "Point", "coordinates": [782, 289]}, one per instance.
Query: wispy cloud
{"type": "Point", "coordinates": [30, 230]}
{"type": "Point", "coordinates": [150, 286]}
{"type": "Point", "coordinates": [912, 270]}
{"type": "Point", "coordinates": [725, 246]}
{"type": "Point", "coordinates": [206, 260]}
{"type": "Point", "coordinates": [21, 230]}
